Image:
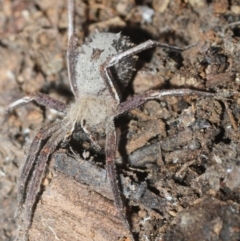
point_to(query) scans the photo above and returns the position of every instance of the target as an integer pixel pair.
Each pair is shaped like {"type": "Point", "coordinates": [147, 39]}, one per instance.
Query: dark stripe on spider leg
{"type": "Point", "coordinates": [45, 132]}
{"type": "Point", "coordinates": [111, 147]}
{"type": "Point", "coordinates": [111, 171]}
{"type": "Point", "coordinates": [132, 103]}
{"type": "Point", "coordinates": [48, 101]}
{"type": "Point", "coordinates": [36, 179]}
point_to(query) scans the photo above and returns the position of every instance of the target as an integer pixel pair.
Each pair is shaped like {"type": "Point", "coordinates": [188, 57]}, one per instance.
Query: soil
{"type": "Point", "coordinates": [178, 158]}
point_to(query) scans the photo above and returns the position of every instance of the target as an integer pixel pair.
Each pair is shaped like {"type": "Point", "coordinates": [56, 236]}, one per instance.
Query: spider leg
{"type": "Point", "coordinates": [157, 94]}
{"type": "Point", "coordinates": [111, 147]}
{"type": "Point", "coordinates": [105, 68]}
{"type": "Point", "coordinates": [41, 99]}
{"type": "Point", "coordinates": [72, 50]}
{"type": "Point", "coordinates": [141, 47]}
{"type": "Point", "coordinates": [35, 181]}
{"type": "Point", "coordinates": [71, 6]}
{"type": "Point", "coordinates": [43, 134]}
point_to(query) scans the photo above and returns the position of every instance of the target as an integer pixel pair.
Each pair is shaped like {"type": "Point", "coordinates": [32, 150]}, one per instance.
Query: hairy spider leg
{"type": "Point", "coordinates": [105, 68]}
{"type": "Point", "coordinates": [44, 133]}
{"type": "Point", "coordinates": [72, 51]}
{"type": "Point", "coordinates": [39, 98]}
{"type": "Point", "coordinates": [35, 182]}
{"type": "Point", "coordinates": [71, 7]}
{"type": "Point", "coordinates": [140, 99]}
{"type": "Point", "coordinates": [141, 47]}
{"type": "Point", "coordinates": [111, 148]}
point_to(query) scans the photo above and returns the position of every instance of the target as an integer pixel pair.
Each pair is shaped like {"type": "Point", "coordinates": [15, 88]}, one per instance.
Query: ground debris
{"type": "Point", "coordinates": [178, 157]}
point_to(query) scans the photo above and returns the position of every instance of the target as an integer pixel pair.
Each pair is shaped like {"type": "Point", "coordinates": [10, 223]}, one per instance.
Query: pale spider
{"type": "Point", "coordinates": [98, 71]}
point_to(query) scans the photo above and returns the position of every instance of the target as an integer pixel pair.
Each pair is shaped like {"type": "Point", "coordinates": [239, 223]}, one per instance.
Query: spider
{"type": "Point", "coordinates": [98, 72]}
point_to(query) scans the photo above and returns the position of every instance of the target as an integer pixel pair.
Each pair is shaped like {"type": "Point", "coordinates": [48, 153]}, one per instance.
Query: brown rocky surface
{"type": "Point", "coordinates": [182, 154]}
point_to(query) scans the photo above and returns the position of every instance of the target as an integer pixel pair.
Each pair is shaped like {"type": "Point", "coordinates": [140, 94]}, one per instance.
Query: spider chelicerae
{"type": "Point", "coordinates": [98, 72]}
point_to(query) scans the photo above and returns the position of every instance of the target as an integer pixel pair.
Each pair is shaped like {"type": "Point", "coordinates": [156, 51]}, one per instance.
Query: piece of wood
{"type": "Point", "coordinates": [77, 204]}
{"type": "Point", "coordinates": [69, 210]}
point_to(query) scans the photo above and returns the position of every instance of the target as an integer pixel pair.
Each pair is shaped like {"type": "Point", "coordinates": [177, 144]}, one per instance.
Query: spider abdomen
{"type": "Point", "coordinates": [93, 54]}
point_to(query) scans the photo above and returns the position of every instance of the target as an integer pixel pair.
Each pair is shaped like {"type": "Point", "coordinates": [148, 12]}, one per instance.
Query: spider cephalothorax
{"type": "Point", "coordinates": [98, 73]}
